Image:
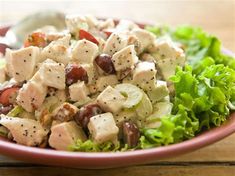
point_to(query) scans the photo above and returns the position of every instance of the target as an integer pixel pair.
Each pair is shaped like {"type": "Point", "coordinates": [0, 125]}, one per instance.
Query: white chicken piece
{"type": "Point", "coordinates": [91, 21]}
{"type": "Point", "coordinates": [32, 94]}
{"type": "Point", "coordinates": [2, 75]}
{"type": "Point", "coordinates": [24, 131]}
{"type": "Point", "coordinates": [105, 81]}
{"type": "Point", "coordinates": [91, 72]}
{"type": "Point", "coordinates": [144, 75]}
{"type": "Point", "coordinates": [159, 92]}
{"type": "Point", "coordinates": [125, 58]}
{"type": "Point", "coordinates": [106, 24]}
{"type": "Point", "coordinates": [64, 112]}
{"type": "Point", "coordinates": [133, 40]}
{"type": "Point", "coordinates": [123, 116]}
{"type": "Point", "coordinates": [7, 58]}
{"type": "Point", "coordinates": [145, 38]}
{"type": "Point", "coordinates": [115, 43]}
{"type": "Point", "coordinates": [126, 25]}
{"type": "Point", "coordinates": [103, 128]}
{"type": "Point", "coordinates": [21, 63]}
{"type": "Point", "coordinates": [84, 52]}
{"type": "Point", "coordinates": [79, 92]}
{"type": "Point", "coordinates": [110, 100]}
{"type": "Point", "coordinates": [75, 22]}
{"type": "Point", "coordinates": [65, 134]}
{"type": "Point", "coordinates": [57, 50]}
{"type": "Point", "coordinates": [168, 56]}
{"type": "Point", "coordinates": [147, 57]}
{"type": "Point", "coordinates": [53, 74]}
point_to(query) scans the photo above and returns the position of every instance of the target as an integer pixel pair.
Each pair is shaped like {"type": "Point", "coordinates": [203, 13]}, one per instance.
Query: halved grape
{"type": "Point", "coordinates": [133, 93]}
{"type": "Point", "coordinates": [145, 108]}
{"type": "Point", "coordinates": [131, 134]}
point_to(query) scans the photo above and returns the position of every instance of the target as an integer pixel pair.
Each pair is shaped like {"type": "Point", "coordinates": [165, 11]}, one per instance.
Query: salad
{"type": "Point", "coordinates": [102, 86]}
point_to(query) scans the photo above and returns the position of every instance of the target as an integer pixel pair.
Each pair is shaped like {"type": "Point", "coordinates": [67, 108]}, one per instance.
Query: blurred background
{"type": "Point", "coordinates": [215, 16]}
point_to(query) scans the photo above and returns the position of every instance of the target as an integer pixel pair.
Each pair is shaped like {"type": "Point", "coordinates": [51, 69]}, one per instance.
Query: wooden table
{"type": "Point", "coordinates": [215, 16]}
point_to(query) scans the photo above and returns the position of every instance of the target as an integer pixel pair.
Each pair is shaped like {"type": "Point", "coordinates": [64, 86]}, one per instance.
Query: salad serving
{"type": "Point", "coordinates": [99, 86]}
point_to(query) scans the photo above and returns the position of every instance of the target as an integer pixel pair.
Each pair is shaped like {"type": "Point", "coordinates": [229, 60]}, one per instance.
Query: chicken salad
{"type": "Point", "coordinates": [102, 86]}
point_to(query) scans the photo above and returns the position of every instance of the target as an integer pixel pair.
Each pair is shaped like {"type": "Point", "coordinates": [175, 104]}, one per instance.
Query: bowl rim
{"type": "Point", "coordinates": [116, 159]}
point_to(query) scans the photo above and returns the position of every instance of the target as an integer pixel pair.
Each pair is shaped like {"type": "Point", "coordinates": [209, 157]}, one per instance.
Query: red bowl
{"type": "Point", "coordinates": [111, 160]}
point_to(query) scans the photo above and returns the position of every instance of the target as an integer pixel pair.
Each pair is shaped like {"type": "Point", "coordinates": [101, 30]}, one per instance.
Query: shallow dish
{"type": "Point", "coordinates": [111, 160]}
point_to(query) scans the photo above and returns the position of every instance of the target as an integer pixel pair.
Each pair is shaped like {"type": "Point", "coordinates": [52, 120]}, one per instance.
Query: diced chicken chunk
{"type": "Point", "coordinates": [126, 25]}
{"type": "Point", "coordinates": [168, 56]}
{"type": "Point", "coordinates": [125, 58]}
{"type": "Point", "coordinates": [32, 94]}
{"type": "Point", "coordinates": [91, 21]}
{"type": "Point", "coordinates": [53, 74]}
{"type": "Point", "coordinates": [144, 75]}
{"type": "Point", "coordinates": [76, 22]}
{"type": "Point", "coordinates": [84, 52]}
{"type": "Point", "coordinates": [110, 100]}
{"type": "Point", "coordinates": [24, 131]}
{"type": "Point", "coordinates": [8, 66]}
{"type": "Point", "coordinates": [146, 38]}
{"type": "Point", "coordinates": [124, 116]}
{"type": "Point", "coordinates": [159, 92]}
{"type": "Point", "coordinates": [147, 57]}
{"type": "Point", "coordinates": [79, 92]}
{"type": "Point", "coordinates": [115, 43]}
{"type": "Point", "coordinates": [21, 63]}
{"type": "Point", "coordinates": [64, 112]}
{"type": "Point", "coordinates": [109, 23]}
{"type": "Point", "coordinates": [91, 72]}
{"type": "Point", "coordinates": [103, 128]}
{"type": "Point", "coordinates": [57, 50]}
{"type": "Point", "coordinates": [133, 40]}
{"type": "Point", "coordinates": [65, 134]}
{"type": "Point", "coordinates": [2, 75]}
{"type": "Point", "coordinates": [105, 81]}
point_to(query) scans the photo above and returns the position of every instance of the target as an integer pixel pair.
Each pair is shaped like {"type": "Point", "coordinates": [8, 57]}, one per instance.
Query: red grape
{"type": "Point", "coordinates": [74, 73]}
{"type": "Point", "coordinates": [131, 134]}
{"type": "Point", "coordinates": [85, 113]}
{"type": "Point", "coordinates": [105, 63]}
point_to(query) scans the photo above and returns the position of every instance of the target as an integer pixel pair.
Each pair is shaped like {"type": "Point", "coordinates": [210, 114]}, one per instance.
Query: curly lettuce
{"type": "Point", "coordinates": [201, 102]}
{"type": "Point", "coordinates": [196, 43]}
{"type": "Point", "coordinates": [90, 146]}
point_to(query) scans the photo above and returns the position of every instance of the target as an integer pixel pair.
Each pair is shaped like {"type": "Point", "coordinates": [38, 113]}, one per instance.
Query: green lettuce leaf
{"type": "Point", "coordinates": [202, 100]}
{"type": "Point", "coordinates": [90, 146]}
{"type": "Point", "coordinates": [196, 43]}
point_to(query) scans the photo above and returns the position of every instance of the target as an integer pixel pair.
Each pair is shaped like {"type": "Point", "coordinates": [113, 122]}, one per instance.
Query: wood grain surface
{"type": "Point", "coordinates": [215, 16]}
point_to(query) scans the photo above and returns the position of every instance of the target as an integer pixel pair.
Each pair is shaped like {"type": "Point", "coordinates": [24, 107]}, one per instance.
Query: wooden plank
{"type": "Point", "coordinates": [192, 170]}
{"type": "Point", "coordinates": [221, 151]}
